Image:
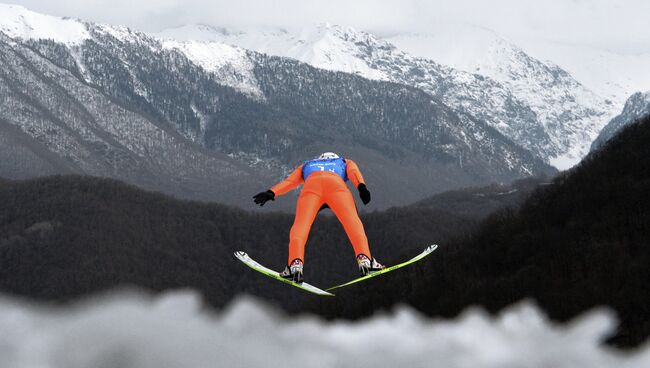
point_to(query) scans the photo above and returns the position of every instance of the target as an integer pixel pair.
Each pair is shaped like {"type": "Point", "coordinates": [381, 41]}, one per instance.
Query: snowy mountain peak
{"type": "Point", "coordinates": [635, 104]}
{"type": "Point", "coordinates": [461, 46]}
{"type": "Point", "coordinates": [571, 114]}
{"type": "Point", "coordinates": [19, 22]}
{"type": "Point", "coordinates": [325, 45]}
{"type": "Point", "coordinates": [193, 32]}
{"type": "Point", "coordinates": [636, 107]}
{"type": "Point", "coordinates": [230, 64]}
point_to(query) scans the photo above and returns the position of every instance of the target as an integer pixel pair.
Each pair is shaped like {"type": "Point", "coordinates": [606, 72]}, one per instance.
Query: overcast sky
{"type": "Point", "coordinates": [617, 25]}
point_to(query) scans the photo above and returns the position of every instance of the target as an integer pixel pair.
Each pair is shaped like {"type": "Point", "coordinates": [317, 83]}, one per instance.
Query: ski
{"type": "Point", "coordinates": [425, 253]}
{"type": "Point", "coordinates": [248, 261]}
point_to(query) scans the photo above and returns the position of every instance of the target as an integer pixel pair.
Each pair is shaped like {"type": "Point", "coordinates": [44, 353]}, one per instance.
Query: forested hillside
{"type": "Point", "coordinates": [62, 237]}
{"type": "Point", "coordinates": [478, 202]}
{"type": "Point", "coordinates": [579, 242]}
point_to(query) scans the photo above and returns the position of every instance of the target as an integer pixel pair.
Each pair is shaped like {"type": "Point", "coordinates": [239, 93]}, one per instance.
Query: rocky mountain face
{"type": "Point", "coordinates": [570, 113]}
{"type": "Point", "coordinates": [221, 123]}
{"type": "Point", "coordinates": [636, 107]}
{"type": "Point", "coordinates": [54, 120]}
{"type": "Point", "coordinates": [536, 104]}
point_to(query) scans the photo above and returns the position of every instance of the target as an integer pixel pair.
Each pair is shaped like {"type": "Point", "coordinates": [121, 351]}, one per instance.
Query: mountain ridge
{"type": "Point", "coordinates": [536, 104]}
{"type": "Point", "coordinates": [122, 104]}
{"type": "Point", "coordinates": [636, 107]}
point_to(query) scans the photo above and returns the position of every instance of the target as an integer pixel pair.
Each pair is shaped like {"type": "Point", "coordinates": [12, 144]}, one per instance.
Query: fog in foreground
{"type": "Point", "coordinates": [132, 329]}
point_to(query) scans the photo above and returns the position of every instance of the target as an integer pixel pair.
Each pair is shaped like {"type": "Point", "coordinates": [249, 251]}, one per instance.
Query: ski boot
{"type": "Point", "coordinates": [367, 265]}
{"type": "Point", "coordinates": [293, 271]}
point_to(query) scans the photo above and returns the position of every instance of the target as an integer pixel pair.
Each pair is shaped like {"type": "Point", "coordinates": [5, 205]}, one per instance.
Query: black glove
{"type": "Point", "coordinates": [364, 194]}
{"type": "Point", "coordinates": [262, 197]}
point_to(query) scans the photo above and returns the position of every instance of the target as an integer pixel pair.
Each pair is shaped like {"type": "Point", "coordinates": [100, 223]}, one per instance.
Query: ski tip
{"type": "Point", "coordinates": [431, 248]}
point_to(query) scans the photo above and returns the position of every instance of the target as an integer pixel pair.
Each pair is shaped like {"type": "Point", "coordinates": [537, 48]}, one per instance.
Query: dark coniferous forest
{"type": "Point", "coordinates": [578, 241]}
{"type": "Point", "coordinates": [64, 236]}
{"type": "Point", "coordinates": [582, 242]}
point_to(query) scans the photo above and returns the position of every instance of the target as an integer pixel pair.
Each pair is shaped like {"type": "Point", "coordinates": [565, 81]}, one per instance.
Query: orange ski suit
{"type": "Point", "coordinates": [321, 188]}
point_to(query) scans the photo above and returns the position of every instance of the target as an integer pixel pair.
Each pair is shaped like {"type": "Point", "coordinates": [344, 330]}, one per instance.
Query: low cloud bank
{"type": "Point", "coordinates": [177, 330]}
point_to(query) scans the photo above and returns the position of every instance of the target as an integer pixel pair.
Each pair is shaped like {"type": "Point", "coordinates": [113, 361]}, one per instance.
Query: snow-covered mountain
{"type": "Point", "coordinates": [611, 74]}
{"type": "Point", "coordinates": [61, 113]}
{"type": "Point", "coordinates": [324, 46]}
{"type": "Point", "coordinates": [208, 120]}
{"type": "Point", "coordinates": [636, 107]}
{"type": "Point", "coordinates": [537, 104]}
{"type": "Point", "coordinates": [572, 115]}
{"type": "Point", "coordinates": [229, 63]}
{"type": "Point", "coordinates": [16, 21]}
{"type": "Point", "coordinates": [477, 49]}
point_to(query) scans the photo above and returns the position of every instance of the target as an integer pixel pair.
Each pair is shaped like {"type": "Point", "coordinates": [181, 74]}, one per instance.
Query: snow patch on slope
{"type": "Point", "coordinates": [19, 22]}
{"type": "Point", "coordinates": [121, 33]}
{"type": "Point", "coordinates": [176, 330]}
{"type": "Point", "coordinates": [230, 64]}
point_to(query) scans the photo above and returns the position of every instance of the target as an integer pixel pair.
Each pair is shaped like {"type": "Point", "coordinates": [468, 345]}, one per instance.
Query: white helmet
{"type": "Point", "coordinates": [328, 156]}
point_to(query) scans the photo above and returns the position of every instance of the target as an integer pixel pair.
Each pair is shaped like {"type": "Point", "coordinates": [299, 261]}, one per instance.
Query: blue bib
{"type": "Point", "coordinates": [335, 165]}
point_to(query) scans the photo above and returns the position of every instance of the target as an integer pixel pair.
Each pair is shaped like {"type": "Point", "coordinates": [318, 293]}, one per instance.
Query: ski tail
{"type": "Point", "coordinates": [248, 261]}
{"type": "Point", "coordinates": [424, 253]}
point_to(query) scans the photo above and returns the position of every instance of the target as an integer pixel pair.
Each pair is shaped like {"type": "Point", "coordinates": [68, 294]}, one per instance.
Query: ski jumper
{"type": "Point", "coordinates": [324, 183]}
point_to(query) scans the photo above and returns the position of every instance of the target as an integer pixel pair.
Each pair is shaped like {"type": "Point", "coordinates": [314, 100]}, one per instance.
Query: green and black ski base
{"type": "Point", "coordinates": [420, 256]}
